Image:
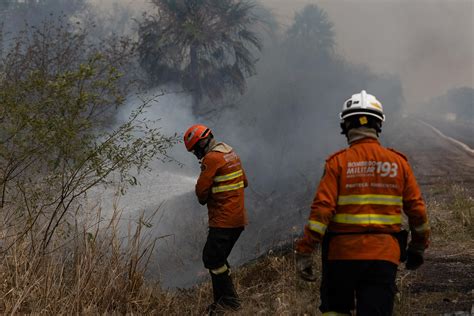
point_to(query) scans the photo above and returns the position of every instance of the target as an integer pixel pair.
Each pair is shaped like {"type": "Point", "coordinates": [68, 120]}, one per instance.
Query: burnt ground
{"type": "Point", "coordinates": [445, 283]}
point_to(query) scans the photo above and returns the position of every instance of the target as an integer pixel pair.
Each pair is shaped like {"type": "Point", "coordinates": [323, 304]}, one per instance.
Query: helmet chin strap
{"type": "Point", "coordinates": [201, 151]}
{"type": "Point", "coordinates": [344, 129]}
{"type": "Point", "coordinates": [347, 125]}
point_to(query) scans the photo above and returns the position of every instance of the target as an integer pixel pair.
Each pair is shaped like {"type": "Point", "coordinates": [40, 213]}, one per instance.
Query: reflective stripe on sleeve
{"type": "Point", "coordinates": [317, 227]}
{"type": "Point", "coordinates": [362, 199]}
{"type": "Point", "coordinates": [422, 228]}
{"type": "Point", "coordinates": [219, 270]}
{"type": "Point", "coordinates": [229, 187]}
{"type": "Point", "coordinates": [367, 219]}
{"type": "Point", "coordinates": [229, 176]}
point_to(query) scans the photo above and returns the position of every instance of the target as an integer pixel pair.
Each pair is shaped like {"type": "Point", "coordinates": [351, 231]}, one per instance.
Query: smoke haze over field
{"type": "Point", "coordinates": [428, 43]}
{"type": "Point", "coordinates": [287, 122]}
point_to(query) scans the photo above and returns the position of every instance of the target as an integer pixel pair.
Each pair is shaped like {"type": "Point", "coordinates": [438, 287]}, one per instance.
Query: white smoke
{"type": "Point", "coordinates": [179, 223]}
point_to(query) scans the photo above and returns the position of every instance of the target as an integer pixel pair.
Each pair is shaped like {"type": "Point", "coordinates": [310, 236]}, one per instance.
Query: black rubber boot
{"type": "Point", "coordinates": [224, 292]}
{"type": "Point", "coordinates": [215, 309]}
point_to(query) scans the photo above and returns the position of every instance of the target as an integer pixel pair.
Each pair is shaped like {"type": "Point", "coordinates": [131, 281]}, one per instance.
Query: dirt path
{"type": "Point", "coordinates": [445, 284]}
{"type": "Point", "coordinates": [433, 158]}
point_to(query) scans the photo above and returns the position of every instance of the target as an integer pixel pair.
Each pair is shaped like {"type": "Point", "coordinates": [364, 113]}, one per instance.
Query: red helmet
{"type": "Point", "coordinates": [194, 134]}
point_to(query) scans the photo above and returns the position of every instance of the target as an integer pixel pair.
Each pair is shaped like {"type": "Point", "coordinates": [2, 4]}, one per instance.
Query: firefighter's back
{"type": "Point", "coordinates": [369, 203]}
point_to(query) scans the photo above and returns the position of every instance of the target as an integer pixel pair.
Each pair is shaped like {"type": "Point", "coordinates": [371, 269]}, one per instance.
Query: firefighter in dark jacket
{"type": "Point", "coordinates": [357, 214]}
{"type": "Point", "coordinates": [221, 186]}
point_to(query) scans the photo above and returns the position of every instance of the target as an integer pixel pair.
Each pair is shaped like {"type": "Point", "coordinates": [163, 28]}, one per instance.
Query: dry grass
{"type": "Point", "coordinates": [462, 206]}
{"type": "Point", "coordinates": [93, 272]}
{"type": "Point", "coordinates": [452, 213]}
{"type": "Point", "coordinates": [97, 272]}
{"type": "Point", "coordinates": [268, 286]}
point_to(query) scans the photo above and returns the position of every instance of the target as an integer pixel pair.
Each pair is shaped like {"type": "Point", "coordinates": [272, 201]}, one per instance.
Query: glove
{"type": "Point", "coordinates": [304, 266]}
{"type": "Point", "coordinates": [414, 259]}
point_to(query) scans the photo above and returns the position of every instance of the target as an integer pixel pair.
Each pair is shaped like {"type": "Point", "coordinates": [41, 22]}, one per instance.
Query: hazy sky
{"type": "Point", "coordinates": [428, 43]}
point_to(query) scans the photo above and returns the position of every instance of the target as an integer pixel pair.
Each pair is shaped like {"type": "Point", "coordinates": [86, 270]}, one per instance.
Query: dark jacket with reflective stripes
{"type": "Point", "coordinates": [221, 186]}
{"type": "Point", "coordinates": [365, 188]}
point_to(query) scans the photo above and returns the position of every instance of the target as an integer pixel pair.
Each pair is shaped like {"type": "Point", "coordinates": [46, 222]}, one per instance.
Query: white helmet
{"type": "Point", "coordinates": [362, 104]}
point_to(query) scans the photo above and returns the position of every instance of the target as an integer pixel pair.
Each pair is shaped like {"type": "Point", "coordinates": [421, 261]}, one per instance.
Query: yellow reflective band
{"type": "Point", "coordinates": [219, 270]}
{"type": "Point", "coordinates": [367, 219]}
{"type": "Point", "coordinates": [317, 227]}
{"type": "Point", "coordinates": [422, 228]}
{"type": "Point", "coordinates": [363, 199]}
{"type": "Point", "coordinates": [229, 176]}
{"type": "Point", "coordinates": [229, 187]}
{"type": "Point", "coordinates": [375, 104]}
{"type": "Point", "coordinates": [335, 314]}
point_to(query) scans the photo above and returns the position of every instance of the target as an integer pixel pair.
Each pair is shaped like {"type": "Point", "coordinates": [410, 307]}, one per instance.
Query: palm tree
{"type": "Point", "coordinates": [313, 30]}
{"type": "Point", "coordinates": [207, 46]}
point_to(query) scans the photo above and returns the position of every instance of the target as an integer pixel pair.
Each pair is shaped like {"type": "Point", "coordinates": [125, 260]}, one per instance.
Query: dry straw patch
{"type": "Point", "coordinates": [93, 272]}
{"type": "Point", "coordinates": [270, 286]}
{"type": "Point", "coordinates": [452, 213]}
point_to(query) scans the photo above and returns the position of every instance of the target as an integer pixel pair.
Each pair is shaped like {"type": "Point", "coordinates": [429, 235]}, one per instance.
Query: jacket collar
{"type": "Point", "coordinates": [221, 147]}
{"type": "Point", "coordinates": [361, 133]}
{"type": "Point", "coordinates": [364, 140]}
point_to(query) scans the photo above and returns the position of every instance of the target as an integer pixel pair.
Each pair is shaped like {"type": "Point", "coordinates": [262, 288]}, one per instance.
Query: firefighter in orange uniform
{"type": "Point", "coordinates": [356, 216]}
{"type": "Point", "coordinates": [221, 186]}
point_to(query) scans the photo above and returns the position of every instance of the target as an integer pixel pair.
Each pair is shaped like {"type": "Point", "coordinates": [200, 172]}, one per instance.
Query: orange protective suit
{"type": "Point", "coordinates": [365, 188]}
{"type": "Point", "coordinates": [221, 186]}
